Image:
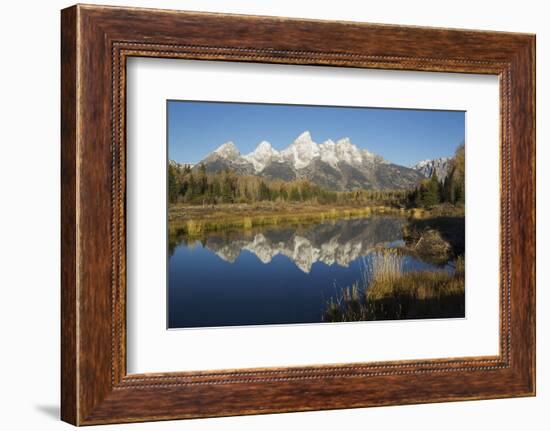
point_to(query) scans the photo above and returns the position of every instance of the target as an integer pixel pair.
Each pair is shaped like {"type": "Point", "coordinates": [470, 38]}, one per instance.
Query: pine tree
{"type": "Point", "coordinates": [295, 194]}
{"type": "Point", "coordinates": [173, 185]}
{"type": "Point", "coordinates": [216, 188]}
{"type": "Point", "coordinates": [191, 188]}
{"type": "Point", "coordinates": [202, 182]}
{"type": "Point", "coordinates": [264, 192]}
{"type": "Point", "coordinates": [431, 194]}
{"type": "Point", "coordinates": [283, 193]}
{"type": "Point", "coordinates": [227, 191]}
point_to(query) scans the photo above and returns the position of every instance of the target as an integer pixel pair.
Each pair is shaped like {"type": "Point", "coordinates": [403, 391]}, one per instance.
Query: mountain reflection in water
{"type": "Point", "coordinates": [273, 275]}
{"type": "Point", "coordinates": [338, 243]}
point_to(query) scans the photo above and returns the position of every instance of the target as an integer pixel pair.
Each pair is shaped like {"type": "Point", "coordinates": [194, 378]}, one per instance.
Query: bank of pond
{"type": "Point", "coordinates": [350, 264]}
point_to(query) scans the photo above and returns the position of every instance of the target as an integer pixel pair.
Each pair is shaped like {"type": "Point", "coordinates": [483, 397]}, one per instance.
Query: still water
{"type": "Point", "coordinates": [273, 275]}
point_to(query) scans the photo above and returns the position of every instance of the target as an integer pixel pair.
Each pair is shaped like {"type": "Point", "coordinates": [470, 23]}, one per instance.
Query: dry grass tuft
{"type": "Point", "coordinates": [388, 292]}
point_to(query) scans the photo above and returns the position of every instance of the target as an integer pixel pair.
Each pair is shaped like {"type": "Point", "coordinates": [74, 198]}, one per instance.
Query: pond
{"type": "Point", "coordinates": [275, 275]}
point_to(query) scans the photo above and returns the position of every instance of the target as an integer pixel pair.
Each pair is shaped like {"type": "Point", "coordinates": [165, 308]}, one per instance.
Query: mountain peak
{"type": "Point", "coordinates": [263, 147]}
{"type": "Point", "coordinates": [227, 150]}
{"type": "Point", "coordinates": [305, 136]}
{"type": "Point", "coordinates": [346, 142]}
{"type": "Point", "coordinates": [347, 152]}
{"type": "Point", "coordinates": [328, 153]}
{"type": "Point", "coordinates": [441, 166]}
{"type": "Point", "coordinates": [261, 156]}
{"type": "Point", "coordinates": [302, 151]}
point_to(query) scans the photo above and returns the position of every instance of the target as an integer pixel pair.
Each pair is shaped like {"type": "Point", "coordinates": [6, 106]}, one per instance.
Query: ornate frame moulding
{"type": "Point", "coordinates": [96, 41]}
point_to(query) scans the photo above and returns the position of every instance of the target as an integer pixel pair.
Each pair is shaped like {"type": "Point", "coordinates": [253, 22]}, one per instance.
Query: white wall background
{"type": "Point", "coordinates": [29, 215]}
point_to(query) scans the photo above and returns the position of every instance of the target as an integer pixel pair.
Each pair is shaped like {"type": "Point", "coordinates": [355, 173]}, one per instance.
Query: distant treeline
{"type": "Point", "coordinates": [432, 191]}
{"type": "Point", "coordinates": [201, 188]}
{"type": "Point", "coordinates": [197, 187]}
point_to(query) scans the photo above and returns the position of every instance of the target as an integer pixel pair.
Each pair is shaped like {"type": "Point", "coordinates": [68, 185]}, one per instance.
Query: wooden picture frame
{"type": "Point", "coordinates": [95, 43]}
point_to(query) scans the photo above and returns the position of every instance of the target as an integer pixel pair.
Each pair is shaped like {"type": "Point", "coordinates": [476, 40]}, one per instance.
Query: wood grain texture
{"type": "Point", "coordinates": [69, 397]}
{"type": "Point", "coordinates": [96, 41]}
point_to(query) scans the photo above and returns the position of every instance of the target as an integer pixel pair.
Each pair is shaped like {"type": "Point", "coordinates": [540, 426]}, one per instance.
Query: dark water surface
{"type": "Point", "coordinates": [273, 275]}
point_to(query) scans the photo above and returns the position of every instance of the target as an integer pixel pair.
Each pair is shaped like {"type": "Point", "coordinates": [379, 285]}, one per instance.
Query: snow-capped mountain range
{"type": "Point", "coordinates": [335, 165]}
{"type": "Point", "coordinates": [299, 154]}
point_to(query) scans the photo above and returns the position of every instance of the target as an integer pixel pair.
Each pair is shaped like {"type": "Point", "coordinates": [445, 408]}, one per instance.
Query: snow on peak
{"type": "Point", "coordinates": [344, 142]}
{"type": "Point", "coordinates": [264, 147]}
{"type": "Point", "coordinates": [302, 151]}
{"type": "Point", "coordinates": [440, 166]}
{"type": "Point", "coordinates": [228, 150]}
{"type": "Point", "coordinates": [431, 162]}
{"type": "Point", "coordinates": [181, 165]}
{"type": "Point", "coordinates": [347, 152]}
{"type": "Point", "coordinates": [304, 137]}
{"type": "Point", "coordinates": [421, 164]}
{"type": "Point", "coordinates": [328, 153]}
{"type": "Point", "coordinates": [261, 156]}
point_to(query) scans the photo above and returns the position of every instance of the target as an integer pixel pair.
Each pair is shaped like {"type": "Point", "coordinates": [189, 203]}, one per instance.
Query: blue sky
{"type": "Point", "coordinates": [402, 136]}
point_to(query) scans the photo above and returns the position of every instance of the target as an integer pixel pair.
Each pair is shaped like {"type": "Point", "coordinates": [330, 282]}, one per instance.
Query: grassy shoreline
{"type": "Point", "coordinates": [392, 293]}
{"type": "Point", "coordinates": [194, 220]}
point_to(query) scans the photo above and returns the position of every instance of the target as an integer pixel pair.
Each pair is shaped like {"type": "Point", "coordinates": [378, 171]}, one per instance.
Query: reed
{"type": "Point", "coordinates": [383, 266]}
{"type": "Point", "coordinates": [388, 292]}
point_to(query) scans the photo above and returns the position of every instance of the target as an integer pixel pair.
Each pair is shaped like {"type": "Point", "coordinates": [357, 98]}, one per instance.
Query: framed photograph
{"type": "Point", "coordinates": [264, 214]}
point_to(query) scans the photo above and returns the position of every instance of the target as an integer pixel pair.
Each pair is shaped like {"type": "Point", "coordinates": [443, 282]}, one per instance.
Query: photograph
{"type": "Point", "coordinates": [305, 214]}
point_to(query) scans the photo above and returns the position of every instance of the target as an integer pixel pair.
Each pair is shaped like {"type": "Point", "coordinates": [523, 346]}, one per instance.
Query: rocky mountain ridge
{"type": "Point", "coordinates": [441, 166]}
{"type": "Point", "coordinates": [335, 165]}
